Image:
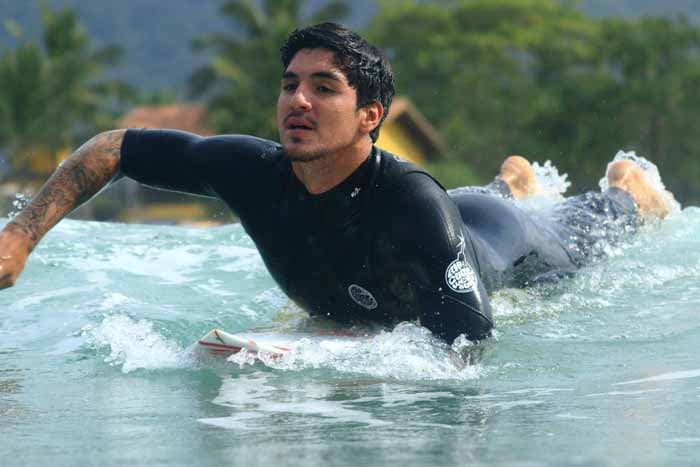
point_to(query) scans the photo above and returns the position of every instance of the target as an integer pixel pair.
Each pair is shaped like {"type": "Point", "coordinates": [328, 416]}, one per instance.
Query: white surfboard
{"type": "Point", "coordinates": [275, 343]}
{"type": "Point", "coordinates": [220, 342]}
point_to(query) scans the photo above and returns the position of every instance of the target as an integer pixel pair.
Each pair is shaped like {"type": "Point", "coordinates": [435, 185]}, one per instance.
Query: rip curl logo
{"type": "Point", "coordinates": [459, 275]}
{"type": "Point", "coordinates": [362, 297]}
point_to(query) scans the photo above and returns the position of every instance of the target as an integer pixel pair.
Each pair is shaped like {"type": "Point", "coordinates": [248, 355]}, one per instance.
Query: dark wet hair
{"type": "Point", "coordinates": [364, 65]}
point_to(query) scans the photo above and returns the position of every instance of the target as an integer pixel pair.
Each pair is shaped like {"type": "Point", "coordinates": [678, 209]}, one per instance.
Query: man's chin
{"type": "Point", "coordinates": [303, 155]}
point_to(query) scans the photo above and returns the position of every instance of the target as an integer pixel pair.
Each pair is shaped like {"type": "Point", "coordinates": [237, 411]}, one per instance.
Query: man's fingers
{"type": "Point", "coordinates": [6, 280]}
{"type": "Point", "coordinates": [13, 255]}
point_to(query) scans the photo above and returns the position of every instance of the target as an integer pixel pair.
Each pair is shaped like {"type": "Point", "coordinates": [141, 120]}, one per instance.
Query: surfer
{"type": "Point", "coordinates": [347, 230]}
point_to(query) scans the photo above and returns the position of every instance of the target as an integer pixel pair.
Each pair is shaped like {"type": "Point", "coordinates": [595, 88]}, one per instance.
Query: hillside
{"type": "Point", "coordinates": [156, 35]}
{"type": "Point", "coordinates": [157, 38]}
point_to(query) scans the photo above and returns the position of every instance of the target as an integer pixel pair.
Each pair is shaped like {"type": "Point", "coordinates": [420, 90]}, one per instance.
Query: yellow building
{"type": "Point", "coordinates": [407, 133]}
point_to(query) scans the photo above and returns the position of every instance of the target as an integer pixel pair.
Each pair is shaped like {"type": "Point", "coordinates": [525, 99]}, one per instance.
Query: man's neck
{"type": "Point", "coordinates": [328, 172]}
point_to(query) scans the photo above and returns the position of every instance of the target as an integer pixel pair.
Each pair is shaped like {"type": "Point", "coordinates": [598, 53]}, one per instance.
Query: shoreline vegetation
{"type": "Point", "coordinates": [492, 77]}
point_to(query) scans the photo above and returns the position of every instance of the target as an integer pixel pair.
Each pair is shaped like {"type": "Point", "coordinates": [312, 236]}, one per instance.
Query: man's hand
{"type": "Point", "coordinates": [14, 251]}
{"type": "Point", "coordinates": [92, 167]}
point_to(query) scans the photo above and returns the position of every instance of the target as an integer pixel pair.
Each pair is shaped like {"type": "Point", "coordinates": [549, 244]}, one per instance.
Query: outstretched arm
{"type": "Point", "coordinates": [75, 181]}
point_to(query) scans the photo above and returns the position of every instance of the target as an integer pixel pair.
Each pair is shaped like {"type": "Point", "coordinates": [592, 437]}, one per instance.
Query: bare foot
{"type": "Point", "coordinates": [628, 176]}
{"type": "Point", "coordinates": [518, 174]}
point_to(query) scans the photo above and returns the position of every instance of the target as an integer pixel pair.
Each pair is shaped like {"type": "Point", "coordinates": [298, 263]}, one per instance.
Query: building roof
{"type": "Point", "coordinates": [404, 113]}
{"type": "Point", "coordinates": [186, 117]}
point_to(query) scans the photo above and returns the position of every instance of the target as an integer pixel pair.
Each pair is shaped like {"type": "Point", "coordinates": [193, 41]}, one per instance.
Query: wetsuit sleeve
{"type": "Point", "coordinates": [179, 161]}
{"type": "Point", "coordinates": [448, 291]}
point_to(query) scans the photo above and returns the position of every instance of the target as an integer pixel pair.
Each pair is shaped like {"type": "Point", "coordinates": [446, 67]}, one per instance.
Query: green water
{"type": "Point", "coordinates": [97, 366]}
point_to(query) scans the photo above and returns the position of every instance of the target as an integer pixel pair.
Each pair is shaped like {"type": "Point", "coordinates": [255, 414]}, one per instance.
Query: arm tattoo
{"type": "Point", "coordinates": [76, 180]}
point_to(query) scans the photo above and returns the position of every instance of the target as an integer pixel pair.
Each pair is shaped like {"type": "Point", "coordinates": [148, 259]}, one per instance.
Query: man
{"type": "Point", "coordinates": [347, 230]}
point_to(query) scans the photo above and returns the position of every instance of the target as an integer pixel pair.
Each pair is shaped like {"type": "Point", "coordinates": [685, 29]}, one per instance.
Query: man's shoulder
{"type": "Point", "coordinates": [396, 164]}
{"type": "Point", "coordinates": [249, 156]}
{"type": "Point", "coordinates": [233, 145]}
{"type": "Point", "coordinates": [401, 178]}
{"type": "Point", "coordinates": [216, 146]}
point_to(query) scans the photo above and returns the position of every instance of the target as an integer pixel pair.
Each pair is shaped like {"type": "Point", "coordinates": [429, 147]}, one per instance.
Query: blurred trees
{"type": "Point", "coordinates": [540, 78]}
{"type": "Point", "coordinates": [496, 77]}
{"type": "Point", "coordinates": [50, 93]}
{"type": "Point", "coordinates": [655, 65]}
{"type": "Point", "coordinates": [484, 71]}
{"type": "Point", "coordinates": [240, 83]}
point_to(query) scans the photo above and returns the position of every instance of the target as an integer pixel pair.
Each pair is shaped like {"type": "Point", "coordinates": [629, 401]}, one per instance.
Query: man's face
{"type": "Point", "coordinates": [317, 111]}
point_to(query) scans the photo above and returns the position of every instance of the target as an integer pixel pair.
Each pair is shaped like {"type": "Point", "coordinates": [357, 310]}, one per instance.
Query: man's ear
{"type": "Point", "coordinates": [372, 115]}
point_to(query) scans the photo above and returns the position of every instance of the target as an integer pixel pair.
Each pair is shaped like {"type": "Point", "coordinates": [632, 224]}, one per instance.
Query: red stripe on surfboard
{"type": "Point", "coordinates": [213, 345]}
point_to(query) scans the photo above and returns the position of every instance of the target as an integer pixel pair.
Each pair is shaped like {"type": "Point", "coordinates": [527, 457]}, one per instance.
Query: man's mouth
{"type": "Point", "coordinates": [298, 123]}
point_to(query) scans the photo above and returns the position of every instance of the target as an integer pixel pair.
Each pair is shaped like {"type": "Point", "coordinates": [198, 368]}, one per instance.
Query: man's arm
{"type": "Point", "coordinates": [429, 234]}
{"type": "Point", "coordinates": [75, 181]}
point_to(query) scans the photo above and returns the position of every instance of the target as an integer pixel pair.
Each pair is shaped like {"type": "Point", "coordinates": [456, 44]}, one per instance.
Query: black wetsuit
{"type": "Point", "coordinates": [388, 244]}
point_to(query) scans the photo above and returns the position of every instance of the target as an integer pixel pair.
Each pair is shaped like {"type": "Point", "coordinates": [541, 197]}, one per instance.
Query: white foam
{"type": "Point", "coordinates": [552, 188]}
{"type": "Point", "coordinates": [623, 393]}
{"type": "Point", "coordinates": [215, 287]}
{"type": "Point", "coordinates": [239, 259]}
{"type": "Point", "coordinates": [508, 405]}
{"type": "Point", "coordinates": [173, 265]}
{"type": "Point", "coordinates": [552, 184]}
{"type": "Point", "coordinates": [38, 298]}
{"type": "Point", "coordinates": [408, 352]}
{"type": "Point", "coordinates": [664, 377]}
{"type": "Point", "coordinates": [571, 416]}
{"type": "Point", "coordinates": [113, 300]}
{"type": "Point", "coordinates": [239, 421]}
{"type": "Point", "coordinates": [135, 344]}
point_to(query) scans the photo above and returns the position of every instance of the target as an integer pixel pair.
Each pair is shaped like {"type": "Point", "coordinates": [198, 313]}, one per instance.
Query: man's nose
{"type": "Point", "coordinates": [299, 99]}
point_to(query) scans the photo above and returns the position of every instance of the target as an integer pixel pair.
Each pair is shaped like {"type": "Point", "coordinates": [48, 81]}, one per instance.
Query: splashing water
{"type": "Point", "coordinates": [552, 184]}
{"type": "Point", "coordinates": [552, 188]}
{"type": "Point", "coordinates": [18, 204]}
{"type": "Point", "coordinates": [408, 352]}
{"type": "Point", "coordinates": [134, 344]}
{"type": "Point", "coordinates": [95, 357]}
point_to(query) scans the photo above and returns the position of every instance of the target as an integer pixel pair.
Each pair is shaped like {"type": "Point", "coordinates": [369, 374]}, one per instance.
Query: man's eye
{"type": "Point", "coordinates": [289, 87]}
{"type": "Point", "coordinates": [324, 89]}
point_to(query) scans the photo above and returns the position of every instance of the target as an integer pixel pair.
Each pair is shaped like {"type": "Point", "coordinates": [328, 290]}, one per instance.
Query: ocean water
{"type": "Point", "coordinates": [98, 366]}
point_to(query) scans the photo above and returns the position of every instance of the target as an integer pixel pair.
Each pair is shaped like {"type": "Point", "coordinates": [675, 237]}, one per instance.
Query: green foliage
{"type": "Point", "coordinates": [496, 77]}
{"type": "Point", "coordinates": [50, 95]}
{"type": "Point", "coordinates": [657, 69]}
{"type": "Point", "coordinates": [488, 59]}
{"type": "Point", "coordinates": [542, 79]}
{"type": "Point", "coordinates": [241, 81]}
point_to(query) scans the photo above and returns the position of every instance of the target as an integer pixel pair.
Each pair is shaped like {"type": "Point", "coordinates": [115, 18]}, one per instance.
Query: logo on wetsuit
{"type": "Point", "coordinates": [459, 275]}
{"type": "Point", "coordinates": [362, 297]}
